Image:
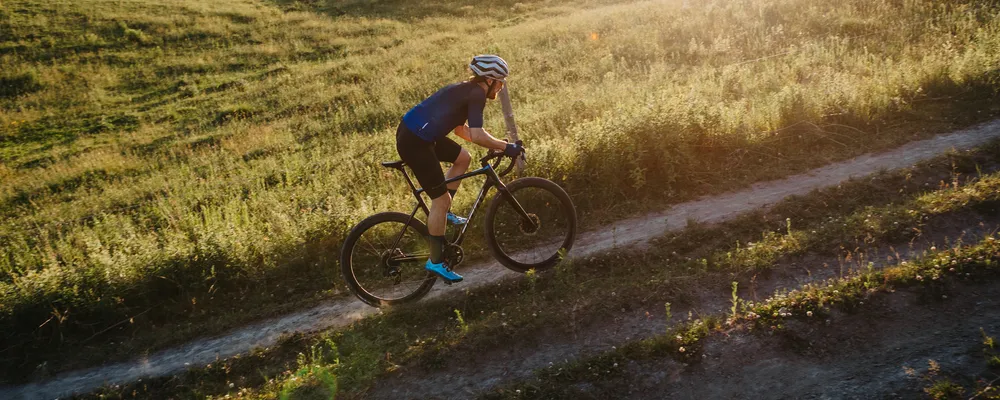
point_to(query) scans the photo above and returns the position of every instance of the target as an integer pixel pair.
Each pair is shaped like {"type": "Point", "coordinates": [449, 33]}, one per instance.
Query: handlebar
{"type": "Point", "coordinates": [497, 158]}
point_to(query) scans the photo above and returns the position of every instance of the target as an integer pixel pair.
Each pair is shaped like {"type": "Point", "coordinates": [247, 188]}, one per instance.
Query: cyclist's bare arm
{"type": "Point", "coordinates": [462, 131]}
{"type": "Point", "coordinates": [480, 136]}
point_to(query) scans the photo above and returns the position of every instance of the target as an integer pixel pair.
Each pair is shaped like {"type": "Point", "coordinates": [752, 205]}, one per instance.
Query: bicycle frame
{"type": "Point", "coordinates": [492, 179]}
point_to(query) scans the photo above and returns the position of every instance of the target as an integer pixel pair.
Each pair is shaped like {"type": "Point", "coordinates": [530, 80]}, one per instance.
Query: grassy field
{"type": "Point", "coordinates": [166, 161]}
{"type": "Point", "coordinates": [853, 223]}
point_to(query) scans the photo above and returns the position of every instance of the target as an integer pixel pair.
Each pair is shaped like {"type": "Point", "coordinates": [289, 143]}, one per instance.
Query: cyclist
{"type": "Point", "coordinates": [422, 143]}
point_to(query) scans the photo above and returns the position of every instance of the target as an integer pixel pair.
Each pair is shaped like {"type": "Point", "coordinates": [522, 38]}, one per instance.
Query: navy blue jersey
{"type": "Point", "coordinates": [447, 109]}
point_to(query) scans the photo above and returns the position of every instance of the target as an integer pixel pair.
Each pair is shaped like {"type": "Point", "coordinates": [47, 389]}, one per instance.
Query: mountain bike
{"type": "Point", "coordinates": [530, 224]}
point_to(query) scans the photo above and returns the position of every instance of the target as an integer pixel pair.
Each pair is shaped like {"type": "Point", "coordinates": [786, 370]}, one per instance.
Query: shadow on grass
{"type": "Point", "coordinates": [180, 295]}
{"type": "Point", "coordinates": [39, 136]}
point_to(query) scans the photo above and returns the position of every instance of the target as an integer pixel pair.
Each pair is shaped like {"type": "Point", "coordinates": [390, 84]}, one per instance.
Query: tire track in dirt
{"type": "Point", "coordinates": [633, 231]}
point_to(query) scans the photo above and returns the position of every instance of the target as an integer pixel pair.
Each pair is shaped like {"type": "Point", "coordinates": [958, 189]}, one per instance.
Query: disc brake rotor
{"type": "Point", "coordinates": [526, 226]}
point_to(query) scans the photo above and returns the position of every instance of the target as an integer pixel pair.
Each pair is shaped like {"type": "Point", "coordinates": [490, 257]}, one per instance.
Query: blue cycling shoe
{"type": "Point", "coordinates": [456, 220]}
{"type": "Point", "coordinates": [443, 271]}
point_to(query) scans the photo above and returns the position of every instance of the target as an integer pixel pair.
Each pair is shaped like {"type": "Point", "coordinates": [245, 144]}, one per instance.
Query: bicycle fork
{"type": "Point", "coordinates": [513, 201]}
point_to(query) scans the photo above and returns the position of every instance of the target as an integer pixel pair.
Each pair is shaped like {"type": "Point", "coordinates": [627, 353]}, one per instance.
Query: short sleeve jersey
{"type": "Point", "coordinates": [446, 109]}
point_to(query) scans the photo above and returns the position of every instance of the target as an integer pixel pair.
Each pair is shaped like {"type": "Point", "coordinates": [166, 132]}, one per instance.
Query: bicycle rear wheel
{"type": "Point", "coordinates": [383, 259]}
{"type": "Point", "coordinates": [521, 245]}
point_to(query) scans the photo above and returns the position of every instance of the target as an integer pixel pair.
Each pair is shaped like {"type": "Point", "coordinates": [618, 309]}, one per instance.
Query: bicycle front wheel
{"type": "Point", "coordinates": [539, 241]}
{"type": "Point", "coordinates": [383, 259]}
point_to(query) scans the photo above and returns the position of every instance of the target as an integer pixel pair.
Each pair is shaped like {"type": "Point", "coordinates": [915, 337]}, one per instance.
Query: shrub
{"type": "Point", "coordinates": [133, 35]}
{"type": "Point", "coordinates": [187, 88]}
{"type": "Point", "coordinates": [137, 36]}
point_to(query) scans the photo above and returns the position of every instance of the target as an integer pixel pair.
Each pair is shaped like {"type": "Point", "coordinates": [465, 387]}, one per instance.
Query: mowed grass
{"type": "Point", "coordinates": [168, 161]}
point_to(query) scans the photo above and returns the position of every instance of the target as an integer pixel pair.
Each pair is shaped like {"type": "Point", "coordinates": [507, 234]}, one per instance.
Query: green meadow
{"type": "Point", "coordinates": [880, 234]}
{"type": "Point", "coordinates": [170, 161]}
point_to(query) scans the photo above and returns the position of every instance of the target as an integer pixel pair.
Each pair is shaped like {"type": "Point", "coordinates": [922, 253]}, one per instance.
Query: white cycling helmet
{"type": "Point", "coordinates": [490, 66]}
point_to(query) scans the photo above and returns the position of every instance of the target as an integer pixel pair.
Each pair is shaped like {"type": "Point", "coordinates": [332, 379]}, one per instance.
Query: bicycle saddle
{"type": "Point", "coordinates": [393, 164]}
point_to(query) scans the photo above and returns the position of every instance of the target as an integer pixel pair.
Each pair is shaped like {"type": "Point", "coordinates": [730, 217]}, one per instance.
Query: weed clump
{"type": "Point", "coordinates": [187, 88]}
{"type": "Point", "coordinates": [991, 350]}
{"type": "Point", "coordinates": [133, 35]}
{"type": "Point", "coordinates": [938, 387]}
{"type": "Point", "coordinates": [234, 113]}
{"type": "Point", "coordinates": [19, 83]}
{"type": "Point", "coordinates": [315, 377]}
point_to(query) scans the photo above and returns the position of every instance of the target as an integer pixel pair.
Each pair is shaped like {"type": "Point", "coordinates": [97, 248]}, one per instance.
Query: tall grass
{"type": "Point", "coordinates": [160, 153]}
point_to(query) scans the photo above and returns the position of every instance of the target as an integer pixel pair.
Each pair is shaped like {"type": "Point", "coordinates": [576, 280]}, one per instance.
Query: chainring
{"type": "Point", "coordinates": [453, 255]}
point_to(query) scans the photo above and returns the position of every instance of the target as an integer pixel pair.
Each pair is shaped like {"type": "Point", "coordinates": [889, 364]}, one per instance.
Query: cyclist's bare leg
{"type": "Point", "coordinates": [436, 218]}
{"type": "Point", "coordinates": [440, 206]}
{"type": "Point", "coordinates": [458, 168]}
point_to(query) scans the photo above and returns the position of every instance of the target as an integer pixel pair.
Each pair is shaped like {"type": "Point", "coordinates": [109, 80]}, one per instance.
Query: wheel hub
{"type": "Point", "coordinates": [530, 226]}
{"type": "Point", "coordinates": [390, 263]}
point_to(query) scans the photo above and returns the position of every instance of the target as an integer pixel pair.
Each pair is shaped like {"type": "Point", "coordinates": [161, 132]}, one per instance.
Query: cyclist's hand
{"type": "Point", "coordinates": [514, 149]}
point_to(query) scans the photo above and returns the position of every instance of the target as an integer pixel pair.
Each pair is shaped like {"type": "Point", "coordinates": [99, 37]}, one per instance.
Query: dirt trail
{"type": "Point", "coordinates": [634, 231]}
{"type": "Point", "coordinates": [860, 356]}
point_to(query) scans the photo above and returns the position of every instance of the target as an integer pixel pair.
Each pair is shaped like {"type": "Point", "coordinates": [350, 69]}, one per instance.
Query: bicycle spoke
{"type": "Point", "coordinates": [539, 240]}
{"type": "Point", "coordinates": [375, 251]}
{"type": "Point", "coordinates": [389, 273]}
{"type": "Point", "coordinates": [381, 242]}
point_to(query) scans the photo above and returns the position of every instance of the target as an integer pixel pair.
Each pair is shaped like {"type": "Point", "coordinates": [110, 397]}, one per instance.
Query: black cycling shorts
{"type": "Point", "coordinates": [425, 158]}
